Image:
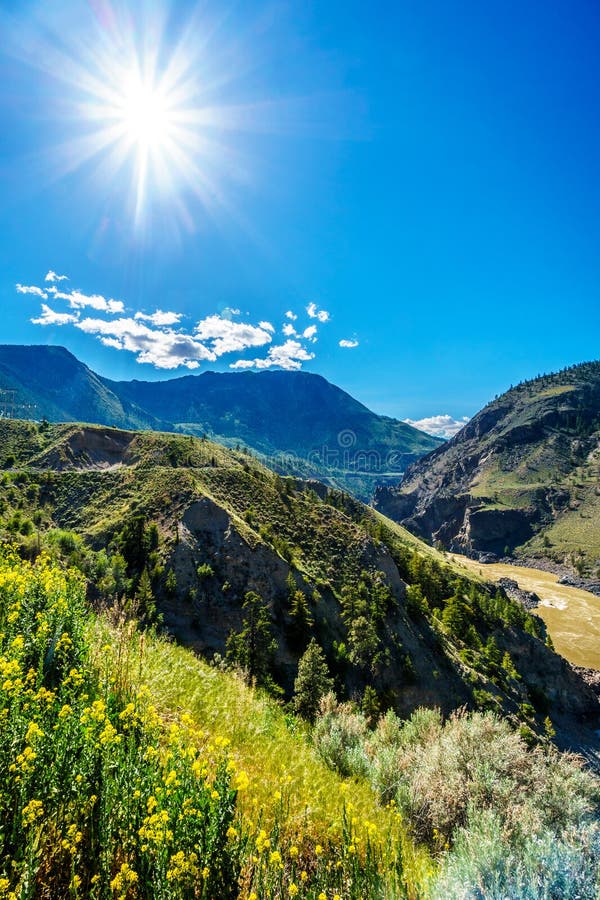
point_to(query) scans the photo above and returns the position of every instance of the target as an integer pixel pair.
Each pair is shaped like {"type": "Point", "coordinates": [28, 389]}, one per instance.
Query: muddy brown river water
{"type": "Point", "coordinates": [572, 616]}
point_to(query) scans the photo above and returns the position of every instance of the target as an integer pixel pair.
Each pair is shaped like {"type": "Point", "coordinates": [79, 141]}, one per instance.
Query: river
{"type": "Point", "coordinates": [572, 616]}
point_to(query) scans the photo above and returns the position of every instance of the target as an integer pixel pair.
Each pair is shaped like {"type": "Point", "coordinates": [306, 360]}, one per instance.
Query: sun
{"type": "Point", "coordinates": [155, 108]}
{"type": "Point", "coordinates": [144, 97]}
{"type": "Point", "coordinates": [145, 115]}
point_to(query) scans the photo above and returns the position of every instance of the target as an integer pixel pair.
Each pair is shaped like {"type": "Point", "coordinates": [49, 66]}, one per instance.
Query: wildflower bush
{"type": "Point", "coordinates": [104, 796]}
{"type": "Point", "coordinates": [98, 798]}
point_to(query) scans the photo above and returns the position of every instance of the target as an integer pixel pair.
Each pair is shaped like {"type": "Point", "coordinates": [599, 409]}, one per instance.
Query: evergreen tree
{"type": "Point", "coordinates": [171, 583]}
{"type": "Point", "coordinates": [301, 615]}
{"type": "Point", "coordinates": [253, 648]}
{"type": "Point", "coordinates": [456, 616]}
{"type": "Point", "coordinates": [363, 642]}
{"type": "Point", "coordinates": [371, 707]}
{"type": "Point", "coordinates": [312, 682]}
{"type": "Point", "coordinates": [145, 597]}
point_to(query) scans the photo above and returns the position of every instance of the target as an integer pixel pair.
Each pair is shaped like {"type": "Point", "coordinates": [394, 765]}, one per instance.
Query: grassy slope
{"type": "Point", "coordinates": [275, 751]}
{"type": "Point", "coordinates": [325, 542]}
{"type": "Point", "coordinates": [112, 731]}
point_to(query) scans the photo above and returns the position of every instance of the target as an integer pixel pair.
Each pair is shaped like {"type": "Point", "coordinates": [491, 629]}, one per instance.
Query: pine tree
{"type": "Point", "coordinates": [456, 615]}
{"type": "Point", "coordinates": [371, 707]}
{"type": "Point", "coordinates": [301, 615]}
{"type": "Point", "coordinates": [145, 597]}
{"type": "Point", "coordinates": [363, 642]}
{"type": "Point", "coordinates": [312, 682]}
{"type": "Point", "coordinates": [253, 648]}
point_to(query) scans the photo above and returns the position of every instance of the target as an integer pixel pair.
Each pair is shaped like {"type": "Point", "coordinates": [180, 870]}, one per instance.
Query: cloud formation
{"type": "Point", "coordinates": [160, 339]}
{"type": "Point", "coordinates": [226, 336]}
{"type": "Point", "coordinates": [349, 344]}
{"type": "Point", "coordinates": [315, 313]}
{"type": "Point", "coordinates": [31, 289]}
{"type": "Point", "coordinates": [52, 276]}
{"type": "Point", "coordinates": [51, 317]}
{"type": "Point", "coordinates": [77, 300]}
{"type": "Point", "coordinates": [159, 317]}
{"type": "Point", "coordinates": [163, 348]}
{"type": "Point", "coordinates": [439, 426]}
{"type": "Point", "coordinates": [290, 355]}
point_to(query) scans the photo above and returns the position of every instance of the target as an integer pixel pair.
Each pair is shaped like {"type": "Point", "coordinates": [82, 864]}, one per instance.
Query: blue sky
{"type": "Point", "coordinates": [416, 179]}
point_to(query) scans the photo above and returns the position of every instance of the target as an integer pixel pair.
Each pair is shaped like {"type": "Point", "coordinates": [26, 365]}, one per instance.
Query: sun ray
{"type": "Point", "coordinates": [154, 108]}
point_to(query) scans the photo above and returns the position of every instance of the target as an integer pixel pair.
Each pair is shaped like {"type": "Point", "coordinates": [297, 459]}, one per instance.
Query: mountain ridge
{"type": "Point", "coordinates": [298, 422]}
{"type": "Point", "coordinates": [186, 528]}
{"type": "Point", "coordinates": [521, 478]}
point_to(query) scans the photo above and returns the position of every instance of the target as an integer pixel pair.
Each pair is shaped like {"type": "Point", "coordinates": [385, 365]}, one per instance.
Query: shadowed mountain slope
{"type": "Point", "coordinates": [522, 477]}
{"type": "Point", "coordinates": [298, 422]}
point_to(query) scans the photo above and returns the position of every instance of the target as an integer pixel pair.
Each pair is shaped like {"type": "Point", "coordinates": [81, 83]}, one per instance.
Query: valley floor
{"type": "Point", "coordinates": [572, 616]}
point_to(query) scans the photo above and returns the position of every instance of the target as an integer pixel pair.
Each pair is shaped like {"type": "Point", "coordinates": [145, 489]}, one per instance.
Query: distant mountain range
{"type": "Point", "coordinates": [521, 478]}
{"type": "Point", "coordinates": [297, 422]}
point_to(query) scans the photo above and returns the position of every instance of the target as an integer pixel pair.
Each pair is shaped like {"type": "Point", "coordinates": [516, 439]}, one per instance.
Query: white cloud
{"type": "Point", "coordinates": [52, 276]}
{"type": "Point", "coordinates": [163, 348]}
{"type": "Point", "coordinates": [349, 344]}
{"type": "Point", "coordinates": [77, 300]}
{"type": "Point", "coordinates": [227, 336]}
{"type": "Point", "coordinates": [31, 289]}
{"type": "Point", "coordinates": [290, 355]}
{"type": "Point", "coordinates": [160, 318]}
{"type": "Point", "coordinates": [315, 313]}
{"type": "Point", "coordinates": [50, 317]}
{"type": "Point", "coordinates": [158, 339]}
{"type": "Point", "coordinates": [439, 426]}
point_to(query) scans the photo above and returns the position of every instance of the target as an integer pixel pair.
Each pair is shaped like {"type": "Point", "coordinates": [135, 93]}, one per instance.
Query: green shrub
{"type": "Point", "coordinates": [483, 865]}
{"type": "Point", "coordinates": [339, 735]}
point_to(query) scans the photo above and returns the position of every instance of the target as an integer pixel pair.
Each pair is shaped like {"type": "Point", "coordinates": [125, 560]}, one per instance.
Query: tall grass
{"type": "Point", "coordinates": [318, 822]}
{"type": "Point", "coordinates": [128, 769]}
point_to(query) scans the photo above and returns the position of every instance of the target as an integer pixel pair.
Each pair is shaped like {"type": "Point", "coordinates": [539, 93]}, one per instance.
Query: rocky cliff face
{"type": "Point", "coordinates": [519, 473]}
{"type": "Point", "coordinates": [201, 613]}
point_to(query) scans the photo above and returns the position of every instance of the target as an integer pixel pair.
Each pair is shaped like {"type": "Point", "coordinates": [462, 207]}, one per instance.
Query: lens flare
{"type": "Point", "coordinates": [162, 108]}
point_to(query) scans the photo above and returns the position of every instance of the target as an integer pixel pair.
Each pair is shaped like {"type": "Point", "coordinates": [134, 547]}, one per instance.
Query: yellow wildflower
{"type": "Point", "coordinates": [33, 811]}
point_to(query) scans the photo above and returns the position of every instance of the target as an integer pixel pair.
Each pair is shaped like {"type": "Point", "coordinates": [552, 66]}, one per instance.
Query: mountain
{"type": "Point", "coordinates": [184, 529]}
{"type": "Point", "coordinates": [51, 383]}
{"type": "Point", "coordinates": [521, 478]}
{"type": "Point", "coordinates": [297, 422]}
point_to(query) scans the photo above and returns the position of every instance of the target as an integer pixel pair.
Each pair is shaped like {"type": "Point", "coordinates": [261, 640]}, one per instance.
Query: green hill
{"type": "Point", "coordinates": [211, 541]}
{"type": "Point", "coordinates": [297, 422]}
{"type": "Point", "coordinates": [132, 768]}
{"type": "Point", "coordinates": [521, 478]}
